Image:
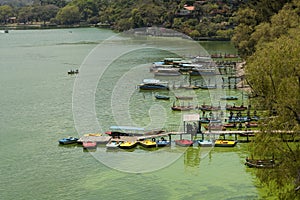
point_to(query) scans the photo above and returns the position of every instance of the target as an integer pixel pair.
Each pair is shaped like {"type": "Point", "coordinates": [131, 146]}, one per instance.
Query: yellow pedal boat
{"type": "Point", "coordinates": [225, 143]}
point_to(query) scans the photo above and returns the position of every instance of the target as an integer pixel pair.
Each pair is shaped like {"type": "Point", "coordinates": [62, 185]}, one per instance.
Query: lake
{"type": "Point", "coordinates": [41, 103]}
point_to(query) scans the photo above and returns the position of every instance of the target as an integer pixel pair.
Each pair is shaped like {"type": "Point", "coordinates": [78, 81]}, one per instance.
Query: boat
{"type": "Point", "coordinates": [209, 108]}
{"type": "Point", "coordinates": [201, 71]}
{"type": "Point", "coordinates": [153, 84]}
{"type": "Point", "coordinates": [71, 72]}
{"type": "Point", "coordinates": [128, 145]}
{"type": "Point", "coordinates": [182, 108]}
{"type": "Point", "coordinates": [162, 142]}
{"type": "Point", "coordinates": [184, 143]}
{"type": "Point", "coordinates": [113, 144]}
{"type": "Point", "coordinates": [167, 72]}
{"type": "Point", "coordinates": [69, 140]}
{"type": "Point", "coordinates": [89, 145]}
{"type": "Point", "coordinates": [189, 87]}
{"type": "Point", "coordinates": [205, 143]}
{"type": "Point", "coordinates": [251, 124]}
{"type": "Point", "coordinates": [148, 143]}
{"type": "Point", "coordinates": [229, 98]}
{"type": "Point", "coordinates": [208, 87]}
{"type": "Point", "coordinates": [235, 108]}
{"type": "Point", "coordinates": [184, 97]}
{"type": "Point", "coordinates": [257, 163]}
{"type": "Point", "coordinates": [230, 125]}
{"type": "Point", "coordinates": [162, 97]}
{"type": "Point", "coordinates": [93, 134]}
{"type": "Point", "coordinates": [225, 143]}
{"type": "Point", "coordinates": [241, 119]}
{"type": "Point", "coordinates": [117, 131]}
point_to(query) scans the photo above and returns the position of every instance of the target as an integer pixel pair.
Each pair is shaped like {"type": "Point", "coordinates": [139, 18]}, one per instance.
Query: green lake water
{"type": "Point", "coordinates": [37, 106]}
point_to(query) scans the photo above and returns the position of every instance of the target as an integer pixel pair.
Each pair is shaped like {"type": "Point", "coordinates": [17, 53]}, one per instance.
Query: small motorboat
{"type": "Point", "coordinates": [148, 143]}
{"type": "Point", "coordinates": [162, 97]}
{"type": "Point", "coordinates": [89, 145]}
{"type": "Point", "coordinates": [128, 145]}
{"type": "Point", "coordinates": [205, 143]}
{"type": "Point", "coordinates": [225, 143]}
{"type": "Point", "coordinates": [69, 140]}
{"type": "Point", "coordinates": [184, 143]}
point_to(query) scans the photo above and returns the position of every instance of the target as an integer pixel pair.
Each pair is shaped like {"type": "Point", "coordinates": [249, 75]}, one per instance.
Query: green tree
{"type": "Point", "coordinates": [68, 15]}
{"type": "Point", "coordinates": [273, 73]}
{"type": "Point", "coordinates": [5, 12]}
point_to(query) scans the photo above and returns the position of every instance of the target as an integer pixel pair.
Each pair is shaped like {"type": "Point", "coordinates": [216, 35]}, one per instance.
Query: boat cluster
{"type": "Point", "coordinates": [198, 66]}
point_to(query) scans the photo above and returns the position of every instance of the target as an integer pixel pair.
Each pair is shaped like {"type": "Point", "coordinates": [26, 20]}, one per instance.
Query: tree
{"type": "Point", "coordinates": [45, 13]}
{"type": "Point", "coordinates": [68, 15]}
{"type": "Point", "coordinates": [274, 75]}
{"type": "Point", "coordinates": [5, 12]}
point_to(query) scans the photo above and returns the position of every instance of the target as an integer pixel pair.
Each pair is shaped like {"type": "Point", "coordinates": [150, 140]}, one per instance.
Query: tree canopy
{"type": "Point", "coordinates": [273, 72]}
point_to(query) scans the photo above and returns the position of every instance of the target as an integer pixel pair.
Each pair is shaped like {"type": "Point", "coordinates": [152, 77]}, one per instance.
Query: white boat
{"type": "Point", "coordinates": [113, 144]}
{"type": "Point", "coordinates": [167, 72]}
{"type": "Point", "coordinates": [205, 143]}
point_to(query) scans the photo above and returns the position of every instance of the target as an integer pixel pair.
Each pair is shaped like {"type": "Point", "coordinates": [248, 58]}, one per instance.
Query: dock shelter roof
{"type": "Point", "coordinates": [191, 117]}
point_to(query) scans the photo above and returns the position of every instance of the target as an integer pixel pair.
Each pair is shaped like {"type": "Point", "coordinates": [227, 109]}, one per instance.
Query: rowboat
{"type": "Point", "coordinates": [225, 143]}
{"type": "Point", "coordinates": [184, 97]}
{"type": "Point", "coordinates": [229, 98]}
{"type": "Point", "coordinates": [205, 143]}
{"type": "Point", "coordinates": [235, 108]}
{"type": "Point", "coordinates": [182, 108]}
{"type": "Point", "coordinates": [128, 145]}
{"type": "Point", "coordinates": [267, 163]}
{"type": "Point", "coordinates": [162, 97]}
{"type": "Point", "coordinates": [184, 143]}
{"type": "Point", "coordinates": [209, 108]}
{"type": "Point", "coordinates": [69, 140]}
{"type": "Point", "coordinates": [89, 145]}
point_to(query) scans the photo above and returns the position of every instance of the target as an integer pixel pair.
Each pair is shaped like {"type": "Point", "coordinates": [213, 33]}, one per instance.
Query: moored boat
{"type": "Point", "coordinates": [229, 98]}
{"type": "Point", "coordinates": [184, 143]}
{"type": "Point", "coordinates": [235, 108]}
{"type": "Point", "coordinates": [208, 87]}
{"type": "Point", "coordinates": [205, 143]}
{"type": "Point", "coordinates": [162, 97]}
{"type": "Point", "coordinates": [69, 140]}
{"type": "Point", "coordinates": [89, 145]}
{"type": "Point", "coordinates": [167, 72]}
{"type": "Point", "coordinates": [147, 143]}
{"type": "Point", "coordinates": [182, 108]}
{"type": "Point", "coordinates": [209, 108]}
{"type": "Point", "coordinates": [153, 84]}
{"type": "Point", "coordinates": [258, 163]}
{"type": "Point", "coordinates": [162, 142]}
{"type": "Point", "coordinates": [128, 145]}
{"type": "Point", "coordinates": [184, 97]}
{"type": "Point", "coordinates": [113, 144]}
{"type": "Point", "coordinates": [225, 143]}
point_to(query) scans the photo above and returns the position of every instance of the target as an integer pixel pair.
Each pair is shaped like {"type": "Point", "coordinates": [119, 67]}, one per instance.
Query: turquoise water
{"type": "Point", "coordinates": [36, 111]}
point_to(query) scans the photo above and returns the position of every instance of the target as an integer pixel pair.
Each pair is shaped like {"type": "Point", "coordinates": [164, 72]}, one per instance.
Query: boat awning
{"type": "Point", "coordinates": [191, 117]}
{"type": "Point", "coordinates": [126, 128]}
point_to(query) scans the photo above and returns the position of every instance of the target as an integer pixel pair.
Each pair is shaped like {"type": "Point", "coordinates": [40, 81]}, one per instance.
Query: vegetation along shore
{"type": "Point", "coordinates": [266, 34]}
